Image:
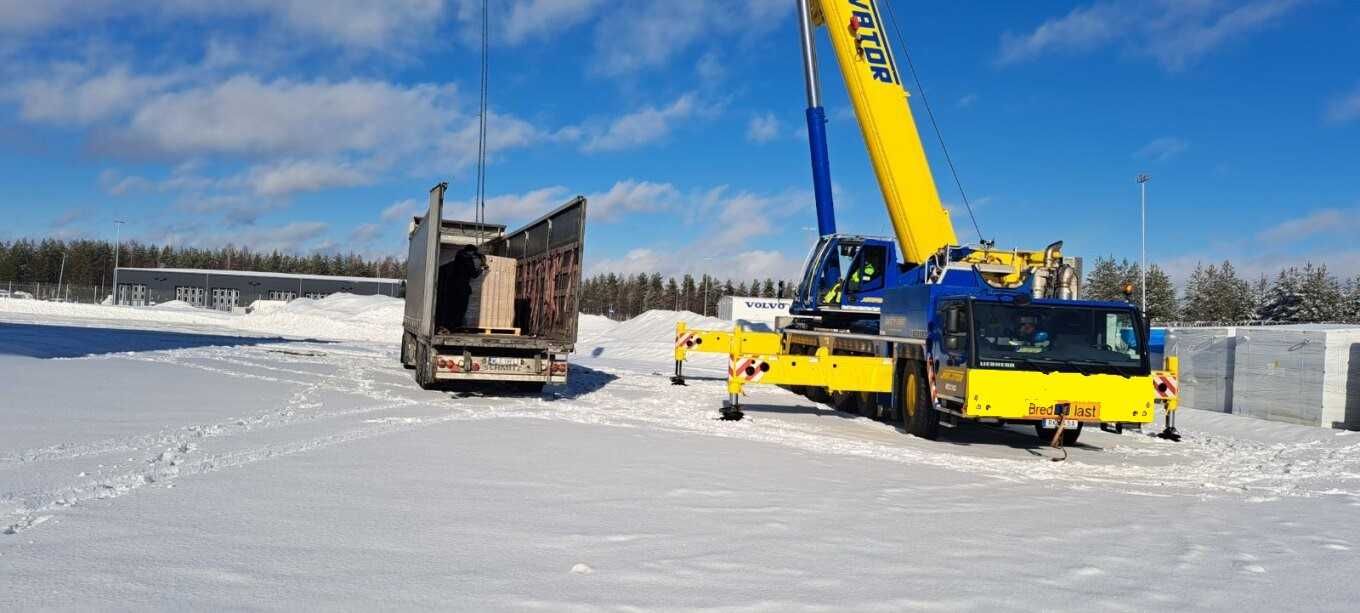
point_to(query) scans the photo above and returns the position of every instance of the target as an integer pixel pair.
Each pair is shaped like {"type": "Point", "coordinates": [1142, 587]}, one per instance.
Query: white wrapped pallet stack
{"type": "Point", "coordinates": [1206, 366]}
{"type": "Point", "coordinates": [1301, 374]}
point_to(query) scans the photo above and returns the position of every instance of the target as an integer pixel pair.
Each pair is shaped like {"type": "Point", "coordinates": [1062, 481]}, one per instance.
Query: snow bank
{"type": "Point", "coordinates": [591, 326]}
{"type": "Point", "coordinates": [175, 305]}
{"type": "Point", "coordinates": [338, 316]}
{"type": "Point", "coordinates": [649, 336]}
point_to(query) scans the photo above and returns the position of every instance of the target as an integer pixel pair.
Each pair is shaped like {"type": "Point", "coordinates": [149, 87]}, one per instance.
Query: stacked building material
{"type": "Point", "coordinates": [1303, 374]}
{"type": "Point", "coordinates": [1300, 374]}
{"type": "Point", "coordinates": [1206, 366]}
{"type": "Point", "coordinates": [492, 304]}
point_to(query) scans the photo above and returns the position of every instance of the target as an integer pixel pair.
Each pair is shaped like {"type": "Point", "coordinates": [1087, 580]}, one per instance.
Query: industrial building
{"type": "Point", "coordinates": [226, 289]}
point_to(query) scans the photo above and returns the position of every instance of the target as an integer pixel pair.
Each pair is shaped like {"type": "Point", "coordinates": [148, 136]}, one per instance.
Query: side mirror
{"type": "Point", "coordinates": [952, 324]}
{"type": "Point", "coordinates": [954, 343]}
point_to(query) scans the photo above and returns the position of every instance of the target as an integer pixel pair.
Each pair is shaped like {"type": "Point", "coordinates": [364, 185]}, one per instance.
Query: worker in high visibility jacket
{"type": "Point", "coordinates": [864, 274]}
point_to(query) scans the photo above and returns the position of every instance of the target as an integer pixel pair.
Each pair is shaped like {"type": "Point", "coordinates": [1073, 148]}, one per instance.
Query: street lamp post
{"type": "Point", "coordinates": [1142, 260]}
{"type": "Point", "coordinates": [61, 274]}
{"type": "Point", "coordinates": [117, 249]}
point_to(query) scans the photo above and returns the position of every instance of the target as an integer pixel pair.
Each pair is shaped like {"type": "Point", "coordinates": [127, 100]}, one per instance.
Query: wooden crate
{"type": "Point", "coordinates": [492, 304]}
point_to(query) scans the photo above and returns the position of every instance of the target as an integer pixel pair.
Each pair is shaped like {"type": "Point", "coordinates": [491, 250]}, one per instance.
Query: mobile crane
{"type": "Point", "coordinates": [949, 332]}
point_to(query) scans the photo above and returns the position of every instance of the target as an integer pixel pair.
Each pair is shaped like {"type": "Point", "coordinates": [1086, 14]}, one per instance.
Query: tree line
{"type": "Point", "coordinates": [90, 262]}
{"type": "Point", "coordinates": [625, 296]}
{"type": "Point", "coordinates": [1217, 294]}
{"type": "Point", "coordinates": [1212, 293]}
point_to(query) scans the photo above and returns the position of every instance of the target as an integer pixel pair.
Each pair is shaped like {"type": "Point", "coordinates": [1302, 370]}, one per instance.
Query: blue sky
{"type": "Point", "coordinates": [305, 125]}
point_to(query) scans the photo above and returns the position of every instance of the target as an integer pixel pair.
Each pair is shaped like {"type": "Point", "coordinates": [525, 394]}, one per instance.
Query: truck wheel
{"type": "Point", "coordinates": [1046, 434]}
{"type": "Point", "coordinates": [424, 369]}
{"type": "Point", "coordinates": [406, 351]}
{"type": "Point", "coordinates": [918, 416]}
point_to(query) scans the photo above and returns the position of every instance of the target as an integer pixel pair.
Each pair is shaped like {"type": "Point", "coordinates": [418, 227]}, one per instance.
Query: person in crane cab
{"type": "Point", "coordinates": [1028, 333]}
{"type": "Point", "coordinates": [862, 275]}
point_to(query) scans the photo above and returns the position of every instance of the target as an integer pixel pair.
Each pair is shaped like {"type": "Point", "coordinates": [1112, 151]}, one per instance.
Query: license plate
{"type": "Point", "coordinates": [504, 364]}
{"type": "Point", "coordinates": [1053, 423]}
{"type": "Point", "coordinates": [1080, 411]}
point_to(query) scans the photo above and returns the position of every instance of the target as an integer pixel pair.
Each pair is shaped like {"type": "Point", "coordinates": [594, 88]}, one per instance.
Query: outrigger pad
{"type": "Point", "coordinates": [677, 380]}
{"type": "Point", "coordinates": [1170, 434]}
{"type": "Point", "coordinates": [731, 413]}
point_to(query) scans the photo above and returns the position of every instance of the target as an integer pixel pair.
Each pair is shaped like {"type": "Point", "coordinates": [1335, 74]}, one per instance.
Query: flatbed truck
{"type": "Point", "coordinates": [528, 355]}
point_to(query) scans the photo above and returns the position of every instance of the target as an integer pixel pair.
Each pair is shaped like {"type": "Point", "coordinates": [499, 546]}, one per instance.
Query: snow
{"type": "Point", "coordinates": [338, 316]}
{"type": "Point", "coordinates": [158, 458]}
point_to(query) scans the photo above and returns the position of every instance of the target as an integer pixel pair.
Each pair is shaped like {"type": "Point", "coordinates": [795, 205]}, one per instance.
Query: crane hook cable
{"type": "Point", "coordinates": [481, 130]}
{"type": "Point", "coordinates": [901, 44]}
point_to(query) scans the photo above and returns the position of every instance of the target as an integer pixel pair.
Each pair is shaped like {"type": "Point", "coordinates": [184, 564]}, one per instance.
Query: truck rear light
{"type": "Point", "coordinates": [559, 368]}
{"type": "Point", "coordinates": [442, 363]}
{"type": "Point", "coordinates": [476, 366]}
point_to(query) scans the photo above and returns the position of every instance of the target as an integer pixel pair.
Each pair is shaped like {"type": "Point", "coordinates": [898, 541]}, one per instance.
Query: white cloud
{"type": "Point", "coordinates": [509, 209]}
{"type": "Point", "coordinates": [642, 127]}
{"type": "Point", "coordinates": [710, 68]}
{"type": "Point", "coordinates": [635, 261]}
{"type": "Point", "coordinates": [534, 19]}
{"type": "Point", "coordinates": [763, 128]}
{"type": "Point", "coordinates": [401, 211]}
{"type": "Point", "coordinates": [365, 233]}
{"type": "Point", "coordinates": [1083, 28]}
{"type": "Point", "coordinates": [1175, 33]}
{"type": "Point", "coordinates": [358, 23]}
{"type": "Point", "coordinates": [304, 176]}
{"type": "Point", "coordinates": [244, 115]}
{"type": "Point", "coordinates": [1345, 108]}
{"type": "Point", "coordinates": [627, 196]}
{"type": "Point", "coordinates": [290, 237]}
{"type": "Point", "coordinates": [632, 196]}
{"type": "Point", "coordinates": [1321, 221]}
{"type": "Point", "coordinates": [69, 93]}
{"type": "Point", "coordinates": [236, 209]}
{"type": "Point", "coordinates": [115, 184]}
{"type": "Point", "coordinates": [658, 30]}
{"type": "Point", "coordinates": [1163, 149]}
{"type": "Point", "coordinates": [967, 100]}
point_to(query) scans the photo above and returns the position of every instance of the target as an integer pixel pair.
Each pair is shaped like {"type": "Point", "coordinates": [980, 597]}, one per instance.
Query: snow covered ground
{"type": "Point", "coordinates": [160, 458]}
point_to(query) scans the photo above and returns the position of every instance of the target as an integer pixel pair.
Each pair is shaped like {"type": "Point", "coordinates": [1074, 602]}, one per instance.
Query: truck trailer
{"type": "Point", "coordinates": [443, 350]}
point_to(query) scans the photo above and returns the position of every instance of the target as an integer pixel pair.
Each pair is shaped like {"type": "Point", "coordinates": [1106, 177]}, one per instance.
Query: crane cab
{"type": "Point", "coordinates": [844, 280]}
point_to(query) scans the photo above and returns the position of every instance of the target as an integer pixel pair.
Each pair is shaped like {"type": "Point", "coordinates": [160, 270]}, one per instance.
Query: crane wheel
{"type": "Point", "coordinates": [919, 418]}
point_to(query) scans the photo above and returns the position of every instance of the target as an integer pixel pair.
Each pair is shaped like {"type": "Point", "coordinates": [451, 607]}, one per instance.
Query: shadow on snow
{"type": "Point", "coordinates": [49, 341]}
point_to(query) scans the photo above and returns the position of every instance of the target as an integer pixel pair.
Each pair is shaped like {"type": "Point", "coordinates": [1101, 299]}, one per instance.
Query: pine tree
{"type": "Point", "coordinates": [1237, 304]}
{"type": "Point", "coordinates": [1194, 307]}
{"type": "Point", "coordinates": [1320, 296]}
{"type": "Point", "coordinates": [767, 290]}
{"type": "Point", "coordinates": [1260, 295]}
{"type": "Point", "coordinates": [687, 292]}
{"type": "Point", "coordinates": [1283, 300]}
{"type": "Point", "coordinates": [1104, 281]}
{"type": "Point", "coordinates": [670, 298]}
{"type": "Point", "coordinates": [1161, 295]}
{"type": "Point", "coordinates": [1350, 310]}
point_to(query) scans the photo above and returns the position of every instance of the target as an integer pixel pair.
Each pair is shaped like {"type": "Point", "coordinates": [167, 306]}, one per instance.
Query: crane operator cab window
{"type": "Point", "coordinates": [866, 274]}
{"type": "Point", "coordinates": [863, 273]}
{"type": "Point", "coordinates": [837, 264]}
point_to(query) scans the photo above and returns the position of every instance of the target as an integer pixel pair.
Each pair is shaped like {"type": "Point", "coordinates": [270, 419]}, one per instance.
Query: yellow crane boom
{"type": "Point", "coordinates": [919, 219]}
